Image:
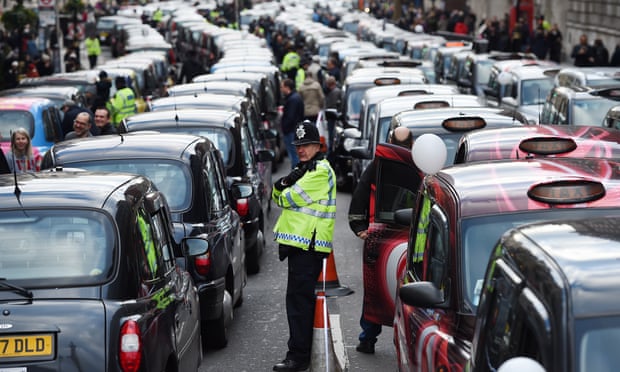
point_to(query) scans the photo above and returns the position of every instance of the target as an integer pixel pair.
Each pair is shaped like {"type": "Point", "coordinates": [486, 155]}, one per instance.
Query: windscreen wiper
{"type": "Point", "coordinates": [17, 289]}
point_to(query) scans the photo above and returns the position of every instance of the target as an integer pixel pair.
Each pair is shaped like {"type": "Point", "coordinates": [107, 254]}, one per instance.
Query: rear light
{"type": "Point", "coordinates": [203, 263]}
{"type": "Point", "coordinates": [266, 124]}
{"type": "Point", "coordinates": [130, 347]}
{"type": "Point", "coordinates": [243, 207]}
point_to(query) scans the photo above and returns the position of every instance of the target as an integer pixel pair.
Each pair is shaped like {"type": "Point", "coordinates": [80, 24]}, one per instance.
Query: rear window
{"type": "Point", "coordinates": [13, 119]}
{"type": "Point", "coordinates": [221, 138]}
{"type": "Point", "coordinates": [56, 247]}
{"type": "Point", "coordinates": [170, 177]}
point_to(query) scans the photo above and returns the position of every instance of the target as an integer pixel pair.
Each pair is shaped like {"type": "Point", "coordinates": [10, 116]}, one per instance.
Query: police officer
{"type": "Point", "coordinates": [93, 49]}
{"type": "Point", "coordinates": [290, 61]}
{"type": "Point", "coordinates": [359, 220]}
{"type": "Point", "coordinates": [304, 231]}
{"type": "Point", "coordinates": [123, 103]}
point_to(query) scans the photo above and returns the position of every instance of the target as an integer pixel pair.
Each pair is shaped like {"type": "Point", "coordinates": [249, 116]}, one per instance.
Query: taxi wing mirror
{"type": "Point", "coordinates": [403, 216]}
{"type": "Point", "coordinates": [361, 152]}
{"type": "Point", "coordinates": [263, 156]}
{"type": "Point", "coordinates": [421, 294]}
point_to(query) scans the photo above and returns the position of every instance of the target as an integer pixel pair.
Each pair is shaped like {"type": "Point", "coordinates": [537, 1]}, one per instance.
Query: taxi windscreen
{"type": "Point", "coordinates": [480, 234]}
{"type": "Point", "coordinates": [51, 248]}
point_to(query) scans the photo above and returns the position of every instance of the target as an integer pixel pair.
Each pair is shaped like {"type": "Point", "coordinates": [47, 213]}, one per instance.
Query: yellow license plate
{"type": "Point", "coordinates": [26, 346]}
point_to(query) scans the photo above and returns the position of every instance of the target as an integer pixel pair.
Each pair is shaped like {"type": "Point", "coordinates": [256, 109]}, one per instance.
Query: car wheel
{"type": "Point", "coordinates": [217, 329]}
{"type": "Point", "coordinates": [253, 256]}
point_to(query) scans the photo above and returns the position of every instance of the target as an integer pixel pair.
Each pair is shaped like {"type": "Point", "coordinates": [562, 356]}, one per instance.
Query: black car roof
{"type": "Point", "coordinates": [182, 118]}
{"type": "Point", "coordinates": [61, 189]}
{"type": "Point", "coordinates": [128, 146]}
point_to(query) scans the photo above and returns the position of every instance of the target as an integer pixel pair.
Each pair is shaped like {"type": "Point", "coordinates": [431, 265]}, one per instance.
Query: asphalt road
{"type": "Point", "coordinates": [259, 332]}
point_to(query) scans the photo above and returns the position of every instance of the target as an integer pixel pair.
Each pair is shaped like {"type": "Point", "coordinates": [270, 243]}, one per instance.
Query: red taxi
{"type": "Point", "coordinates": [538, 140]}
{"type": "Point", "coordinates": [460, 214]}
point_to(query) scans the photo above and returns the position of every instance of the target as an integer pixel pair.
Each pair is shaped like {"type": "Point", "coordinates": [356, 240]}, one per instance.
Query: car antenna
{"type": "Point", "coordinates": [17, 190]}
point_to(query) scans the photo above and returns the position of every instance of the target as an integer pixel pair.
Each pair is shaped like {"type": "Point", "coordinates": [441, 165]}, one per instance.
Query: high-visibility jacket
{"type": "Point", "coordinates": [157, 15]}
{"type": "Point", "coordinates": [123, 104]}
{"type": "Point", "coordinates": [299, 78]}
{"type": "Point", "coordinates": [93, 48]}
{"type": "Point", "coordinates": [309, 209]}
{"type": "Point", "coordinates": [290, 61]}
{"type": "Point", "coordinates": [422, 230]}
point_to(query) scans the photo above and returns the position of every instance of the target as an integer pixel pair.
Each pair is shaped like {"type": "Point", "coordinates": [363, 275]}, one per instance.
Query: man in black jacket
{"type": "Point", "coordinates": [292, 114]}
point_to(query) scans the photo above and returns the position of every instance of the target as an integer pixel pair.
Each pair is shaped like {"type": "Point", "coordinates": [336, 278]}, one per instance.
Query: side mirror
{"type": "Point", "coordinates": [352, 133]}
{"type": "Point", "coordinates": [270, 133]}
{"type": "Point", "coordinates": [194, 247]}
{"type": "Point", "coordinates": [361, 152]}
{"type": "Point", "coordinates": [332, 114]}
{"type": "Point", "coordinates": [403, 216]}
{"type": "Point", "coordinates": [421, 294]}
{"type": "Point", "coordinates": [510, 101]}
{"type": "Point", "coordinates": [488, 91]}
{"type": "Point", "coordinates": [263, 156]}
{"type": "Point", "coordinates": [241, 190]}
{"type": "Point", "coordinates": [465, 82]}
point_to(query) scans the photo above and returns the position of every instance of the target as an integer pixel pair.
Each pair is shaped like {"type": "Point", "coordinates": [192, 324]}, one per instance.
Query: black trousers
{"type": "Point", "coordinates": [304, 268]}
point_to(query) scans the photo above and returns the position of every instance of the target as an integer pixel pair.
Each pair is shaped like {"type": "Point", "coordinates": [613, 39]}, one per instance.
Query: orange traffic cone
{"type": "Point", "coordinates": [323, 358]}
{"type": "Point", "coordinates": [328, 280]}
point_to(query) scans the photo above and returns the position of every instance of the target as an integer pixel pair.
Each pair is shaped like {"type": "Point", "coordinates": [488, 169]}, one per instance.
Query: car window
{"type": "Point", "coordinates": [591, 111]}
{"type": "Point", "coordinates": [213, 187]}
{"type": "Point", "coordinates": [170, 177]}
{"type": "Point", "coordinates": [147, 243]}
{"type": "Point", "coordinates": [159, 232]}
{"type": "Point", "coordinates": [394, 192]}
{"type": "Point", "coordinates": [78, 247]}
{"type": "Point", "coordinates": [438, 250]}
{"type": "Point", "coordinates": [595, 346]}
{"type": "Point", "coordinates": [13, 119]}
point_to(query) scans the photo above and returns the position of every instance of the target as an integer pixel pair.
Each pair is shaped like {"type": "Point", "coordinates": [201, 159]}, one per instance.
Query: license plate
{"type": "Point", "coordinates": [17, 369]}
{"type": "Point", "coordinates": [26, 346]}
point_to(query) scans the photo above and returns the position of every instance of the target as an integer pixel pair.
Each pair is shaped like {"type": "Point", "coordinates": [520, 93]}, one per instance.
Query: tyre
{"type": "Point", "coordinates": [217, 329]}
{"type": "Point", "coordinates": [254, 254]}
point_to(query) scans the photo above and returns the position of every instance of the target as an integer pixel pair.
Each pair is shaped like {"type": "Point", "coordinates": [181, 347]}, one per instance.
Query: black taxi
{"type": "Point", "coordinates": [550, 294]}
{"type": "Point", "coordinates": [89, 277]}
{"type": "Point", "coordinates": [230, 135]}
{"type": "Point", "coordinates": [189, 171]}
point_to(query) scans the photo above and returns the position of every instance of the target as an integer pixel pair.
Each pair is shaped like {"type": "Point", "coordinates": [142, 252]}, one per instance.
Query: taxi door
{"type": "Point", "coordinates": [397, 182]}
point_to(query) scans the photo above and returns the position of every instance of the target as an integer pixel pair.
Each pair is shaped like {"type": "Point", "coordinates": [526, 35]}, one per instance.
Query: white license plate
{"type": "Point", "coordinates": [16, 369]}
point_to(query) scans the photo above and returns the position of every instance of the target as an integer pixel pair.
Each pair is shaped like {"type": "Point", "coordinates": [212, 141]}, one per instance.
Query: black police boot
{"type": "Point", "coordinates": [366, 347]}
{"type": "Point", "coordinates": [289, 365]}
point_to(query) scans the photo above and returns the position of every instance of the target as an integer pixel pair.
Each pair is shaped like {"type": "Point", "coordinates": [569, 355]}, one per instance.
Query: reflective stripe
{"type": "Point", "coordinates": [315, 213]}
{"type": "Point", "coordinates": [302, 193]}
{"type": "Point", "coordinates": [327, 202]}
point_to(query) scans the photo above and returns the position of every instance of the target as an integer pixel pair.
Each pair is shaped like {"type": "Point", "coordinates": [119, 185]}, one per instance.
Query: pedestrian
{"type": "Point", "coordinates": [540, 44]}
{"type": "Point", "coordinates": [583, 53]}
{"type": "Point", "coordinates": [333, 69]}
{"type": "Point", "coordinates": [70, 111]}
{"type": "Point", "coordinates": [615, 57]}
{"type": "Point", "coordinates": [12, 76]}
{"type": "Point", "coordinates": [32, 71]}
{"type": "Point", "coordinates": [359, 221]}
{"type": "Point", "coordinates": [81, 127]}
{"type": "Point", "coordinates": [304, 232]}
{"type": "Point", "coordinates": [102, 122]}
{"type": "Point", "coordinates": [311, 93]}
{"type": "Point", "coordinates": [102, 90]}
{"type": "Point", "coordinates": [332, 101]}
{"type": "Point", "coordinates": [554, 38]}
{"type": "Point", "coordinates": [22, 158]}
{"type": "Point", "coordinates": [93, 49]}
{"type": "Point", "coordinates": [601, 54]}
{"type": "Point", "coordinates": [191, 68]}
{"type": "Point", "coordinates": [123, 104]}
{"type": "Point", "coordinates": [45, 66]}
{"type": "Point", "coordinates": [292, 114]}
{"type": "Point", "coordinates": [290, 61]}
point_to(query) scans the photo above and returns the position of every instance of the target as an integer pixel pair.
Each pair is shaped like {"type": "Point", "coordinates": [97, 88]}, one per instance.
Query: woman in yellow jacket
{"type": "Point", "coordinates": [305, 232]}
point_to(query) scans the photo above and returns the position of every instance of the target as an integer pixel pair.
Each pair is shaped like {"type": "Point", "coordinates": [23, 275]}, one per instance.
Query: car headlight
{"type": "Point", "coordinates": [348, 144]}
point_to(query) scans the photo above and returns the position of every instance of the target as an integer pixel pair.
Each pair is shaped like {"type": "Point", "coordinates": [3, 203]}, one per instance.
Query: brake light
{"type": "Point", "coordinates": [243, 207]}
{"type": "Point", "coordinates": [203, 263]}
{"type": "Point", "coordinates": [130, 347]}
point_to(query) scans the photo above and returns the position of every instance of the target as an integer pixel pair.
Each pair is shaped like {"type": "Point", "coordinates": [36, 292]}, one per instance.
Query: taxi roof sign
{"type": "Point", "coordinates": [430, 104]}
{"type": "Point", "coordinates": [547, 145]}
{"type": "Point", "coordinates": [463, 124]}
{"type": "Point", "coordinates": [567, 192]}
{"type": "Point", "coordinates": [387, 81]}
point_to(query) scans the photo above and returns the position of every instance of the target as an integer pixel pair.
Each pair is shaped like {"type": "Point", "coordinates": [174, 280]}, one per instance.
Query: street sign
{"type": "Point", "coordinates": [47, 17]}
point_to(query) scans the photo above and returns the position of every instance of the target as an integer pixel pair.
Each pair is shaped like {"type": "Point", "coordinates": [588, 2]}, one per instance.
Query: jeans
{"type": "Point", "coordinates": [290, 148]}
{"type": "Point", "coordinates": [370, 330]}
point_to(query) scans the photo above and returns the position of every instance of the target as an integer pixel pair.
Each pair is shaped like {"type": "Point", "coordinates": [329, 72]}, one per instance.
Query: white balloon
{"type": "Point", "coordinates": [521, 364]}
{"type": "Point", "coordinates": [503, 78]}
{"type": "Point", "coordinates": [429, 153]}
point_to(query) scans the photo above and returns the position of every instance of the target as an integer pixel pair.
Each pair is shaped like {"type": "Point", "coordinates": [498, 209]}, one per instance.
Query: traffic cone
{"type": "Point", "coordinates": [323, 358]}
{"type": "Point", "coordinates": [328, 280]}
